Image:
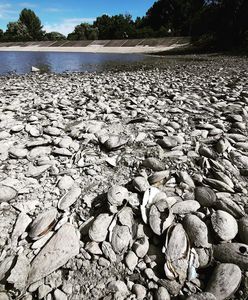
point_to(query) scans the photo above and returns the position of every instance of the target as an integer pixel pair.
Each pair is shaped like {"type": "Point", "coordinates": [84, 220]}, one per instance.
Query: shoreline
{"type": "Point", "coordinates": [92, 49]}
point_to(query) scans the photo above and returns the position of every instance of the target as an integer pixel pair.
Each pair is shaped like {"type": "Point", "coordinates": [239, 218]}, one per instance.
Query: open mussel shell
{"type": "Point", "coordinates": [235, 253]}
{"type": "Point", "coordinates": [43, 224]}
{"type": "Point", "coordinates": [228, 205]}
{"type": "Point", "coordinates": [7, 193]}
{"type": "Point", "coordinates": [205, 196]}
{"type": "Point", "coordinates": [160, 217]}
{"type": "Point", "coordinates": [176, 253]}
{"type": "Point", "coordinates": [159, 177]}
{"type": "Point", "coordinates": [224, 281]}
{"type": "Point", "coordinates": [224, 225]}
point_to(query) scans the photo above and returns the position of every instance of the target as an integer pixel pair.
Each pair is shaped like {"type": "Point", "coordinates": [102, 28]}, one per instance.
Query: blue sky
{"type": "Point", "coordinates": [63, 15]}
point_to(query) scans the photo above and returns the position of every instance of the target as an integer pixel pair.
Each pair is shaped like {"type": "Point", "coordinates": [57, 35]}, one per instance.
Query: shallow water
{"type": "Point", "coordinates": [57, 62]}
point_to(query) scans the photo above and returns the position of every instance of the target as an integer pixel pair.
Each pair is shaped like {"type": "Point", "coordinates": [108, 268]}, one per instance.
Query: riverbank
{"type": "Point", "coordinates": [95, 167]}
{"type": "Point", "coordinates": [93, 49]}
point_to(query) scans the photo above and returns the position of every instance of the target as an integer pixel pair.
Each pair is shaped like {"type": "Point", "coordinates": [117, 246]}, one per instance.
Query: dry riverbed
{"type": "Point", "coordinates": [127, 184]}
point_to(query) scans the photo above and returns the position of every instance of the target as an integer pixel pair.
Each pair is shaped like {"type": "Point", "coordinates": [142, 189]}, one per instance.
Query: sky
{"type": "Point", "coordinates": [64, 15]}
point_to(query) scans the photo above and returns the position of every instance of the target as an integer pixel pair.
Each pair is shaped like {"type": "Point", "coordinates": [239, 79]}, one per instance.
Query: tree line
{"type": "Point", "coordinates": [223, 22]}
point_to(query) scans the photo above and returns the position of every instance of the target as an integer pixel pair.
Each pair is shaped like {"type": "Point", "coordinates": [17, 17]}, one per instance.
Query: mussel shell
{"type": "Point", "coordinates": [70, 197]}
{"type": "Point", "coordinates": [205, 196]}
{"type": "Point", "coordinates": [43, 223]}
{"type": "Point", "coordinates": [197, 231]}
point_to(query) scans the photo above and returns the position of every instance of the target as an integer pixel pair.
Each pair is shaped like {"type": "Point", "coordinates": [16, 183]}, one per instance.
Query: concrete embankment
{"type": "Point", "coordinates": [100, 46]}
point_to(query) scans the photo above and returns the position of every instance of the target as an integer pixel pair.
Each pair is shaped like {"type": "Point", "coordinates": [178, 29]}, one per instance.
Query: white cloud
{"type": "Point", "coordinates": [67, 26]}
{"type": "Point", "coordinates": [27, 4]}
{"type": "Point", "coordinates": [7, 12]}
{"type": "Point", "coordinates": [53, 9]}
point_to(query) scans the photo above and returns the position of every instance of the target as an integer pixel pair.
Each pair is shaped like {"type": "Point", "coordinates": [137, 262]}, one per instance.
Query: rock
{"type": "Point", "coordinates": [19, 274]}
{"type": "Point", "coordinates": [59, 295]}
{"type": "Point", "coordinates": [224, 281]}
{"type": "Point", "coordinates": [99, 228]}
{"type": "Point", "coordinates": [131, 260]}
{"type": "Point", "coordinates": [162, 294]}
{"type": "Point", "coordinates": [7, 193]}
{"type": "Point", "coordinates": [65, 183]}
{"type": "Point", "coordinates": [121, 239]}
{"type": "Point", "coordinates": [243, 229]}
{"type": "Point", "coordinates": [4, 296]}
{"type": "Point", "coordinates": [140, 291]}
{"type": "Point", "coordinates": [202, 296]}
{"type": "Point", "coordinates": [224, 225]}
{"type": "Point", "coordinates": [60, 248]}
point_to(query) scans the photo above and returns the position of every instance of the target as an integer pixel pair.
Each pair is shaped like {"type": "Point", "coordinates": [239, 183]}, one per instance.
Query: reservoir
{"type": "Point", "coordinates": [59, 62]}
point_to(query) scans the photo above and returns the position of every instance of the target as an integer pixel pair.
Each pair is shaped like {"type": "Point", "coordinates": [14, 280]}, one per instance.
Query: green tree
{"type": "Point", "coordinates": [33, 24]}
{"type": "Point", "coordinates": [1, 34]}
{"type": "Point", "coordinates": [115, 27]}
{"type": "Point", "coordinates": [54, 36]}
{"type": "Point", "coordinates": [17, 31]}
{"type": "Point", "coordinates": [84, 31]}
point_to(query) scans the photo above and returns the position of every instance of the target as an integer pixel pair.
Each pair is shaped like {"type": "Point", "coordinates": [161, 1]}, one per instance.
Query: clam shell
{"type": "Point", "coordinates": [224, 225]}
{"type": "Point", "coordinates": [148, 198]}
{"type": "Point", "coordinates": [43, 224]}
{"type": "Point", "coordinates": [243, 229]}
{"type": "Point", "coordinates": [235, 253]}
{"type": "Point", "coordinates": [205, 196]}
{"type": "Point", "coordinates": [99, 228]}
{"type": "Point", "coordinates": [160, 217]}
{"type": "Point", "coordinates": [7, 193]}
{"type": "Point", "coordinates": [36, 171]}
{"type": "Point", "coordinates": [125, 217]}
{"type": "Point", "coordinates": [5, 266]}
{"type": "Point", "coordinates": [224, 281]}
{"type": "Point", "coordinates": [69, 198]}
{"type": "Point", "coordinates": [121, 239]}
{"type": "Point", "coordinates": [4, 296]}
{"type": "Point", "coordinates": [197, 231]}
{"type": "Point", "coordinates": [185, 207]}
{"type": "Point", "coordinates": [116, 195]}
{"type": "Point", "coordinates": [140, 184]}
{"type": "Point", "coordinates": [63, 246]}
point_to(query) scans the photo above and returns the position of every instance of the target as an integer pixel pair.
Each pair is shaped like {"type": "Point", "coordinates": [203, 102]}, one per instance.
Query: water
{"type": "Point", "coordinates": [57, 62]}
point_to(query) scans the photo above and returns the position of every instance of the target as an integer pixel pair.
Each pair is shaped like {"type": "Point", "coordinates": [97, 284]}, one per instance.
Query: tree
{"type": "Point", "coordinates": [17, 31]}
{"type": "Point", "coordinates": [115, 27]}
{"type": "Point", "coordinates": [1, 34]}
{"type": "Point", "coordinates": [84, 31]}
{"type": "Point", "coordinates": [32, 23]}
{"type": "Point", "coordinates": [54, 36]}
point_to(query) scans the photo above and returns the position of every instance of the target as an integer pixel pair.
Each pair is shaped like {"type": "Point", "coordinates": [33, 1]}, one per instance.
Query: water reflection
{"type": "Point", "coordinates": [21, 62]}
